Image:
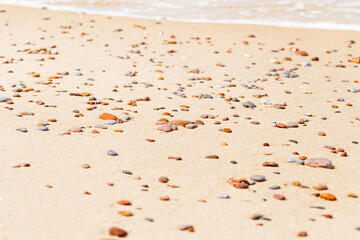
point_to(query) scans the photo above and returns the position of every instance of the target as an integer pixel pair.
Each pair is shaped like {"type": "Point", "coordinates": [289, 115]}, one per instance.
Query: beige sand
{"type": "Point", "coordinates": [30, 210]}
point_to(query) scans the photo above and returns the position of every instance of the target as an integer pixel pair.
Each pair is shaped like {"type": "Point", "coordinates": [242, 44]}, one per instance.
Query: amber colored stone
{"type": "Point", "coordinates": [352, 195]}
{"type": "Point", "coordinates": [322, 134]}
{"type": "Point", "coordinates": [328, 196]}
{"type": "Point", "coordinates": [126, 213]}
{"type": "Point", "coordinates": [227, 130]}
{"type": "Point", "coordinates": [164, 198]}
{"type": "Point", "coordinates": [124, 202]}
{"type": "Point", "coordinates": [280, 125]}
{"type": "Point", "coordinates": [108, 116]}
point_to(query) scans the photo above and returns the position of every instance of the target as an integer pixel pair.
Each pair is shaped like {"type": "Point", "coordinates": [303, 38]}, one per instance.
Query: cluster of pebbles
{"type": "Point", "coordinates": [212, 107]}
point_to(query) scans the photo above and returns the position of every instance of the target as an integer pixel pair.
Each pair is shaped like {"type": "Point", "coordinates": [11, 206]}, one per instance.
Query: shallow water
{"type": "Point", "coordinates": [329, 14]}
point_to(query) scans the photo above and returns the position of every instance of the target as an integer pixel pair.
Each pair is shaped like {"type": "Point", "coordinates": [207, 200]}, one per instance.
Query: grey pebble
{"type": "Point", "coordinates": [43, 128]}
{"type": "Point", "coordinates": [258, 178]}
{"type": "Point", "coordinates": [294, 160]}
{"type": "Point", "coordinates": [249, 104]}
{"type": "Point", "coordinates": [292, 125]}
{"type": "Point", "coordinates": [111, 153]}
{"type": "Point", "coordinates": [100, 126]}
{"type": "Point", "coordinates": [4, 99]}
{"type": "Point", "coordinates": [274, 187]}
{"type": "Point", "coordinates": [22, 129]}
{"type": "Point", "coordinates": [110, 122]}
{"type": "Point", "coordinates": [223, 195]}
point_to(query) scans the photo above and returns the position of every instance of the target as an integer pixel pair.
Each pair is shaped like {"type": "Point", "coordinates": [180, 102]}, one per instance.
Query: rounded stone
{"type": "Point", "coordinates": [258, 178]}
{"type": "Point", "coordinates": [111, 153]}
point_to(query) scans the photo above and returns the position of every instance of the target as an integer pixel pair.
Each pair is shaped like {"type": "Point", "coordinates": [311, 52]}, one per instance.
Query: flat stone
{"type": "Point", "coordinates": [110, 122]}
{"type": "Point", "coordinates": [43, 128]}
{"type": "Point", "coordinates": [111, 153]}
{"type": "Point", "coordinates": [274, 187]}
{"type": "Point", "coordinates": [292, 125]}
{"type": "Point", "coordinates": [223, 195]}
{"type": "Point", "coordinates": [212, 157]}
{"type": "Point", "coordinates": [108, 116]}
{"type": "Point", "coordinates": [258, 178]}
{"type": "Point", "coordinates": [22, 129]}
{"type": "Point", "coordinates": [319, 162]}
{"type": "Point", "coordinates": [75, 129]}
{"type": "Point", "coordinates": [100, 126]}
{"type": "Point", "coordinates": [294, 160]}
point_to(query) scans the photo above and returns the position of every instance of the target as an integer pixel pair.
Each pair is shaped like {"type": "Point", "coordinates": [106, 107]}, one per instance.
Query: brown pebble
{"type": "Point", "coordinates": [227, 130]}
{"type": "Point", "coordinates": [302, 234]}
{"type": "Point", "coordinates": [188, 228]}
{"type": "Point", "coordinates": [124, 202]}
{"type": "Point", "coordinates": [320, 187]}
{"type": "Point", "coordinates": [163, 179]}
{"type": "Point", "coordinates": [321, 134]}
{"type": "Point", "coordinates": [270, 164]}
{"type": "Point", "coordinates": [212, 157]}
{"type": "Point", "coordinates": [86, 166]}
{"type": "Point", "coordinates": [165, 198]}
{"type": "Point", "coordinates": [352, 195]}
{"type": "Point", "coordinates": [279, 197]}
{"type": "Point", "coordinates": [241, 185]}
{"type": "Point", "coordinates": [327, 215]}
{"type": "Point", "coordinates": [114, 231]}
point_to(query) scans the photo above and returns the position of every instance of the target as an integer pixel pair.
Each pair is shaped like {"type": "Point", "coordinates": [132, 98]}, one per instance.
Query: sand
{"type": "Point", "coordinates": [56, 198]}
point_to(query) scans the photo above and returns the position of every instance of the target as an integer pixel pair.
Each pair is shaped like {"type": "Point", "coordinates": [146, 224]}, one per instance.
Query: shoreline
{"type": "Point", "coordinates": [289, 24]}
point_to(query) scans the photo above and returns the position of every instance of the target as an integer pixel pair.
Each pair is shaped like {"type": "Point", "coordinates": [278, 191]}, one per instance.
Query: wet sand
{"type": "Point", "coordinates": [63, 70]}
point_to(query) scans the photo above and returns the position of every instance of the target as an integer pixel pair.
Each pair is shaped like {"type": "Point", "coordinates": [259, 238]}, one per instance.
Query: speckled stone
{"type": "Point", "coordinates": [319, 162]}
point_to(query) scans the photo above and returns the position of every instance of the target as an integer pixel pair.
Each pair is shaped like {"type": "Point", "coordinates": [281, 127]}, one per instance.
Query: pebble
{"type": "Point", "coordinates": [43, 128]}
{"type": "Point", "coordinates": [294, 160]}
{"type": "Point", "coordinates": [100, 126]}
{"type": "Point", "coordinates": [320, 187]}
{"type": "Point", "coordinates": [212, 157]}
{"type": "Point", "coordinates": [165, 128]}
{"type": "Point", "coordinates": [188, 228]}
{"type": "Point", "coordinates": [319, 162]}
{"type": "Point", "coordinates": [279, 197]}
{"type": "Point", "coordinates": [22, 129]}
{"type": "Point", "coordinates": [114, 231]}
{"type": "Point", "coordinates": [110, 122]}
{"type": "Point", "coordinates": [249, 104]}
{"type": "Point", "coordinates": [4, 99]}
{"type": "Point", "coordinates": [108, 116]}
{"type": "Point", "coordinates": [75, 129]}
{"type": "Point", "coordinates": [258, 178]}
{"type": "Point", "coordinates": [270, 164]}
{"type": "Point", "coordinates": [223, 195]}
{"type": "Point", "coordinates": [292, 125]}
{"type": "Point", "coordinates": [111, 153]}
{"type": "Point", "coordinates": [328, 196]}
{"type": "Point", "coordinates": [274, 187]}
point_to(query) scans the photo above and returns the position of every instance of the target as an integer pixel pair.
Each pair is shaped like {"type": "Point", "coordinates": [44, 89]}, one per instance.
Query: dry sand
{"type": "Point", "coordinates": [56, 198]}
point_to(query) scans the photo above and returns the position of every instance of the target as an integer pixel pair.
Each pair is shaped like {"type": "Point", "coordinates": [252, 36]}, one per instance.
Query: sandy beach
{"type": "Point", "coordinates": [163, 130]}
